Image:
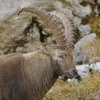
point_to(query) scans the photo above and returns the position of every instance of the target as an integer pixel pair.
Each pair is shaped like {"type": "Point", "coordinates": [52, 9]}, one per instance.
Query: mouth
{"type": "Point", "coordinates": [71, 74]}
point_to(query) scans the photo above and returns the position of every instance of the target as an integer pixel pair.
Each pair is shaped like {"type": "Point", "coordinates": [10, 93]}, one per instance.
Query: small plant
{"type": "Point", "coordinates": [96, 29]}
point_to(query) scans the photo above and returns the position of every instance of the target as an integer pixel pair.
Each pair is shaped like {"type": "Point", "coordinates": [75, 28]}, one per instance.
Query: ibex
{"type": "Point", "coordinates": [30, 76]}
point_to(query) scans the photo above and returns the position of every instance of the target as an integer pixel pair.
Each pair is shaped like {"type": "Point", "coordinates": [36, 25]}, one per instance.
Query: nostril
{"type": "Point", "coordinates": [64, 78]}
{"type": "Point", "coordinates": [76, 75]}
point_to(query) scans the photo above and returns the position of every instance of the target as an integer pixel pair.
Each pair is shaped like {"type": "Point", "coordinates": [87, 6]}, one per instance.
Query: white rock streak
{"type": "Point", "coordinates": [83, 70]}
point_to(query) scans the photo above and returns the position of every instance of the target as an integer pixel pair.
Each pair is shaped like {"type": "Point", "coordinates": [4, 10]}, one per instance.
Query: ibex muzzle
{"type": "Point", "coordinates": [30, 76]}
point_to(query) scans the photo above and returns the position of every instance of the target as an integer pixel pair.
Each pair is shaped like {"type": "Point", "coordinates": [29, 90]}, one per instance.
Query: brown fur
{"type": "Point", "coordinates": [29, 76]}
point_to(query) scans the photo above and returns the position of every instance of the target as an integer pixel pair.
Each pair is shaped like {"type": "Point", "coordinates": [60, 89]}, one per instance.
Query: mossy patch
{"type": "Point", "coordinates": [96, 29]}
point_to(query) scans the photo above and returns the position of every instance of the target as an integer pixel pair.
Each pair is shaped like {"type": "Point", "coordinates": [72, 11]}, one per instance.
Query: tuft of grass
{"type": "Point", "coordinates": [91, 51]}
{"type": "Point", "coordinates": [96, 29]}
{"type": "Point", "coordinates": [87, 89]}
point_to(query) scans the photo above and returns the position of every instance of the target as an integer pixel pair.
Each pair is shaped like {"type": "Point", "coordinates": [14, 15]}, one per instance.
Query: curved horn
{"type": "Point", "coordinates": [69, 29]}
{"type": "Point", "coordinates": [69, 33]}
{"type": "Point", "coordinates": [63, 31]}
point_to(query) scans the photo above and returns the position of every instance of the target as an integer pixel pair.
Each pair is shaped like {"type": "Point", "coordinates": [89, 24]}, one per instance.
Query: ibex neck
{"type": "Point", "coordinates": [40, 74]}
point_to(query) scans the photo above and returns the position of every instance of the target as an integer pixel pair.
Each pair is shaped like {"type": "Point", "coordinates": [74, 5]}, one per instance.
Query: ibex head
{"type": "Point", "coordinates": [63, 31]}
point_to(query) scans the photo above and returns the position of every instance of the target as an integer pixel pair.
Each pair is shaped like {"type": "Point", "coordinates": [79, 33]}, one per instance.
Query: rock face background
{"type": "Point", "coordinates": [24, 33]}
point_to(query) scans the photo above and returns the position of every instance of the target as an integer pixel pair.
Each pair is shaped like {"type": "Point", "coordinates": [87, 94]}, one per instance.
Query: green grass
{"type": "Point", "coordinates": [96, 29]}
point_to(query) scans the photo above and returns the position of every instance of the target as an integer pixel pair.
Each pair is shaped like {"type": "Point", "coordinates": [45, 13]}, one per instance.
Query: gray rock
{"type": "Point", "coordinates": [98, 1]}
{"type": "Point", "coordinates": [83, 70]}
{"type": "Point", "coordinates": [84, 29]}
{"type": "Point", "coordinates": [97, 9]}
{"type": "Point", "coordinates": [95, 67]}
{"type": "Point", "coordinates": [79, 10]}
{"type": "Point", "coordinates": [8, 7]}
{"type": "Point", "coordinates": [78, 53]}
{"type": "Point", "coordinates": [77, 21]}
{"type": "Point", "coordinates": [59, 6]}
